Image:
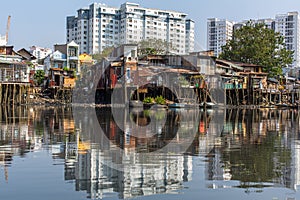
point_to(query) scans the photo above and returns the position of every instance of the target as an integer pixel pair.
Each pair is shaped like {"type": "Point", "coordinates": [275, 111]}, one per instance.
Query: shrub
{"type": "Point", "coordinates": [160, 100]}
{"type": "Point", "coordinates": [149, 100]}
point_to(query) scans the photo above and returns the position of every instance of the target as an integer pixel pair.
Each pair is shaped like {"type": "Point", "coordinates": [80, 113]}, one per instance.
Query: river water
{"type": "Point", "coordinates": [103, 153]}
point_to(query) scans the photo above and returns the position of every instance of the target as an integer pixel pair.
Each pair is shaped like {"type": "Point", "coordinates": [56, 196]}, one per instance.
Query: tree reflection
{"type": "Point", "coordinates": [254, 149]}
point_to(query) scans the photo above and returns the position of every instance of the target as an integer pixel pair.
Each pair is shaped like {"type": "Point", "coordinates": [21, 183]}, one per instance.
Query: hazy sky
{"type": "Point", "coordinates": [43, 23]}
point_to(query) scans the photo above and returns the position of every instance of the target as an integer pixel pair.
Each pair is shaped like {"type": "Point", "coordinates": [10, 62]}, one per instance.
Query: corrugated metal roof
{"type": "Point", "coordinates": [231, 64]}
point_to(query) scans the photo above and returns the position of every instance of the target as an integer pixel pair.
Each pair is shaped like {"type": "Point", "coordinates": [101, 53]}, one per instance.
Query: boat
{"type": "Point", "coordinates": [207, 105]}
{"type": "Point", "coordinates": [154, 106]}
{"type": "Point", "coordinates": [184, 103]}
{"type": "Point", "coordinates": [135, 104]}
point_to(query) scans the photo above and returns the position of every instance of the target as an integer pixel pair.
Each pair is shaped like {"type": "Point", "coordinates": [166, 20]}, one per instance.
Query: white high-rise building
{"type": "Point", "coordinates": [190, 36]}
{"type": "Point", "coordinates": [40, 52]}
{"type": "Point", "coordinates": [3, 41]}
{"type": "Point", "coordinates": [269, 23]}
{"type": "Point", "coordinates": [100, 26]}
{"type": "Point", "coordinates": [219, 31]}
{"type": "Point", "coordinates": [288, 25]}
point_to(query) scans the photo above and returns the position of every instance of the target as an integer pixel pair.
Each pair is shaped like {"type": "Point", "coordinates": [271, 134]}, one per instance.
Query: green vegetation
{"type": "Point", "coordinates": [160, 100]}
{"type": "Point", "coordinates": [257, 44]}
{"type": "Point", "coordinates": [145, 47]}
{"type": "Point", "coordinates": [157, 114]}
{"type": "Point", "coordinates": [149, 100]}
{"type": "Point", "coordinates": [183, 82]}
{"type": "Point", "coordinates": [160, 114]}
{"type": "Point", "coordinates": [74, 74]}
{"type": "Point", "coordinates": [99, 56]}
{"type": "Point", "coordinates": [39, 77]}
{"type": "Point", "coordinates": [258, 163]}
{"type": "Point", "coordinates": [154, 47]}
{"type": "Point", "coordinates": [30, 64]}
{"type": "Point", "coordinates": [146, 113]}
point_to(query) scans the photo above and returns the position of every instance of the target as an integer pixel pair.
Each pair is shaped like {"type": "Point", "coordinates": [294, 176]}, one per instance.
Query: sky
{"type": "Point", "coordinates": [43, 23]}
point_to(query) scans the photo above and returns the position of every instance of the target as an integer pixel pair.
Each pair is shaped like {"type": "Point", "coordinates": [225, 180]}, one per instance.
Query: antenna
{"type": "Point", "coordinates": [7, 28]}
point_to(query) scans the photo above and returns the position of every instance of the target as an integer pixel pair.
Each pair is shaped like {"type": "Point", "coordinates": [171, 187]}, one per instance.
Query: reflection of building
{"type": "Point", "coordinates": [25, 130]}
{"type": "Point", "coordinates": [296, 161]}
{"type": "Point", "coordinates": [295, 181]}
{"type": "Point", "coordinates": [140, 175]}
{"type": "Point", "coordinates": [256, 150]}
{"type": "Point", "coordinates": [148, 175]}
{"type": "Point", "coordinates": [94, 166]}
{"type": "Point", "coordinates": [14, 136]}
{"type": "Point", "coordinates": [210, 127]}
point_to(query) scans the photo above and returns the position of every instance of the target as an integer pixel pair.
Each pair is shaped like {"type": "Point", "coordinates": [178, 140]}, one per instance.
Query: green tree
{"type": "Point", "coordinates": [99, 56]}
{"type": "Point", "coordinates": [257, 44]}
{"type": "Point", "coordinates": [154, 47]}
{"type": "Point", "coordinates": [39, 77]}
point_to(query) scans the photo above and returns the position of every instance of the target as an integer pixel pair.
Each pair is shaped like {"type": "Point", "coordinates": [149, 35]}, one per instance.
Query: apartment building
{"type": "Point", "coordinates": [288, 25]}
{"type": "Point", "coordinates": [219, 31]}
{"type": "Point", "coordinates": [100, 26]}
{"type": "Point", "coordinates": [190, 36]}
{"type": "Point", "coordinates": [40, 52]}
{"type": "Point", "coordinates": [269, 23]}
{"type": "Point", "coordinates": [3, 41]}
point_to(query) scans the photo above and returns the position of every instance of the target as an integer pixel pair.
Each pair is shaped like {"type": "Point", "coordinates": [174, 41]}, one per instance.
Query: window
{"type": "Point", "coordinates": [72, 52]}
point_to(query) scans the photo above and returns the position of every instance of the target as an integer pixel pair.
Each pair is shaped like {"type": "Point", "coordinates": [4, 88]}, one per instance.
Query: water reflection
{"type": "Point", "coordinates": [258, 148]}
{"type": "Point", "coordinates": [14, 135]}
{"type": "Point", "coordinates": [125, 164]}
{"type": "Point", "coordinates": [246, 149]}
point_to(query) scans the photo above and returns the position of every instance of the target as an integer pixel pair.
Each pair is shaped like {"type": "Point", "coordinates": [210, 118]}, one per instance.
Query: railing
{"type": "Point", "coordinates": [233, 86]}
{"type": "Point", "coordinates": [13, 75]}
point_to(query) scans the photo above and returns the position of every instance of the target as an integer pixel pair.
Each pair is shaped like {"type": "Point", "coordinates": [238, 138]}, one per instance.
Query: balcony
{"type": "Point", "coordinates": [75, 58]}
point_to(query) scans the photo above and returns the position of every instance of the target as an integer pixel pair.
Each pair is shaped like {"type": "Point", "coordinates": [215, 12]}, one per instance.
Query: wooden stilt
{"type": "Point", "coordinates": [13, 94]}
{"type": "Point", "coordinates": [1, 93]}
